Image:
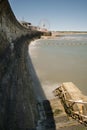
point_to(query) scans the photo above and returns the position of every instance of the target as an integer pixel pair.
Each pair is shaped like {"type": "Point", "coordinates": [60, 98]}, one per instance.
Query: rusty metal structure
{"type": "Point", "coordinates": [73, 101]}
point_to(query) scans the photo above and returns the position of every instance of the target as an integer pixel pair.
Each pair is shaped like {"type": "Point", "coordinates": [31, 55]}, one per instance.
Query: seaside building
{"type": "Point", "coordinates": [28, 25]}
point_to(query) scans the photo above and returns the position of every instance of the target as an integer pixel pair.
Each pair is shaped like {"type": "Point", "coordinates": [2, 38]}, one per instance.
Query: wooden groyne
{"type": "Point", "coordinates": [73, 101]}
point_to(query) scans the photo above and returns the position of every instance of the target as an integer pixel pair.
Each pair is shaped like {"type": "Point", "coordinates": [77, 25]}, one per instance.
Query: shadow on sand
{"type": "Point", "coordinates": [46, 119]}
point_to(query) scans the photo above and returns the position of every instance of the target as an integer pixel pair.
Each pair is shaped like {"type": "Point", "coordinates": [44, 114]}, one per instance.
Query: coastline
{"type": "Point", "coordinates": [66, 122]}
{"type": "Point", "coordinates": [58, 34]}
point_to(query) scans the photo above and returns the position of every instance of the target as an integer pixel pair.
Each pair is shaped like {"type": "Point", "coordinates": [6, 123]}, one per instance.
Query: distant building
{"type": "Point", "coordinates": [42, 29]}
{"type": "Point", "coordinates": [26, 24]}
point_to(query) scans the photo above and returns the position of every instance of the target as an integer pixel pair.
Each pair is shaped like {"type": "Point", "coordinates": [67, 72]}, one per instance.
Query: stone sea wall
{"type": "Point", "coordinates": [18, 110]}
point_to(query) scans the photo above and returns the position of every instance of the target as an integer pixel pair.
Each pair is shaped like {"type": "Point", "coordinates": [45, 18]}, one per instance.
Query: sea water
{"type": "Point", "coordinates": [63, 59]}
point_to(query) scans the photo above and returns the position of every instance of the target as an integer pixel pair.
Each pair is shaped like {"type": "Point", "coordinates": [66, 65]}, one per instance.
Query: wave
{"type": "Point", "coordinates": [63, 41]}
{"type": "Point", "coordinates": [38, 45]}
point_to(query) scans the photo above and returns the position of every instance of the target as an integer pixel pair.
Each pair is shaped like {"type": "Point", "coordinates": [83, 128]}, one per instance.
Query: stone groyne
{"type": "Point", "coordinates": [18, 110]}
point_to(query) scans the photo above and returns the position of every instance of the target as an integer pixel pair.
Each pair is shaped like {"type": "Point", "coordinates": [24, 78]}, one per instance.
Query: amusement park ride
{"type": "Point", "coordinates": [73, 101]}
{"type": "Point", "coordinates": [43, 25]}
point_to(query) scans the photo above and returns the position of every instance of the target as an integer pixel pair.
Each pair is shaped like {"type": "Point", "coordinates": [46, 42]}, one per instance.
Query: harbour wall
{"type": "Point", "coordinates": [18, 105]}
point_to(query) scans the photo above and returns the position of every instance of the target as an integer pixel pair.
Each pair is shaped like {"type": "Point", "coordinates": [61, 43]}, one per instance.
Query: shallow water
{"type": "Point", "coordinates": [61, 60]}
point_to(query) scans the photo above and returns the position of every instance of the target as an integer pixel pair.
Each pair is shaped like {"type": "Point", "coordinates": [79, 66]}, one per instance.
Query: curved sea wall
{"type": "Point", "coordinates": [18, 110]}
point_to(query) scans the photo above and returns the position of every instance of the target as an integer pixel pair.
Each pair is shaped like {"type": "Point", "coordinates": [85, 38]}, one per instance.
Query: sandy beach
{"type": "Point", "coordinates": [62, 121]}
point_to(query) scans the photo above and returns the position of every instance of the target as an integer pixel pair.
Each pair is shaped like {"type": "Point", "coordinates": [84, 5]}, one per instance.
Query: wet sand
{"type": "Point", "coordinates": [61, 120]}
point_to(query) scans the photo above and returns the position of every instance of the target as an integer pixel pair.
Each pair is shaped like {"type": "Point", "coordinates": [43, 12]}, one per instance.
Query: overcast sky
{"type": "Point", "coordinates": [61, 15]}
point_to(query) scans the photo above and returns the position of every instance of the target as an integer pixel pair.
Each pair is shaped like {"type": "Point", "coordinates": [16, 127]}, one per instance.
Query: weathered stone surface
{"type": "Point", "coordinates": [18, 110]}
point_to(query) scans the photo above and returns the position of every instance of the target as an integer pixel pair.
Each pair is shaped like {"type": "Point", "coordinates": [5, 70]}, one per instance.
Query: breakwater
{"type": "Point", "coordinates": [18, 108]}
